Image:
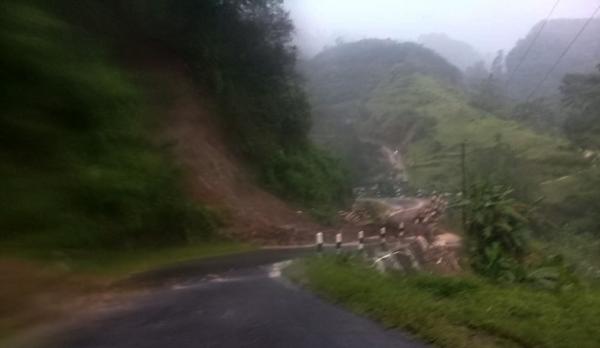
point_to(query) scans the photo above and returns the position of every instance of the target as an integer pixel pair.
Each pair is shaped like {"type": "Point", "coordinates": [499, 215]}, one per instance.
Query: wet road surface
{"type": "Point", "coordinates": [213, 303]}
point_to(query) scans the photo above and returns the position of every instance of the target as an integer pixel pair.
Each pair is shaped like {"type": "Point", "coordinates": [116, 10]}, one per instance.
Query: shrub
{"type": "Point", "coordinates": [496, 231]}
{"type": "Point", "coordinates": [79, 166]}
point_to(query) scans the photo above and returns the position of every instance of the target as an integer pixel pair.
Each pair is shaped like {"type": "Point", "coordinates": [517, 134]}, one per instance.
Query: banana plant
{"type": "Point", "coordinates": [496, 231]}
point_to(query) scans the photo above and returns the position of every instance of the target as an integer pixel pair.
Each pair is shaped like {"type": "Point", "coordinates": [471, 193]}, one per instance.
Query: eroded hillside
{"type": "Point", "coordinates": [214, 175]}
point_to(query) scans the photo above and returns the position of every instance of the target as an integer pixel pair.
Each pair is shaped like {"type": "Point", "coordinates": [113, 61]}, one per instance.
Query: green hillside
{"type": "Point", "coordinates": [423, 111]}
{"type": "Point", "coordinates": [433, 158]}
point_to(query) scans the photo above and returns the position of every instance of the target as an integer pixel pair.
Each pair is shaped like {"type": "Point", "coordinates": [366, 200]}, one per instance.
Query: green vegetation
{"type": "Point", "coordinates": [496, 232]}
{"type": "Point", "coordinates": [498, 243]}
{"type": "Point", "coordinates": [582, 98]}
{"type": "Point", "coordinates": [461, 311]}
{"type": "Point", "coordinates": [424, 112]}
{"type": "Point", "coordinates": [81, 164]}
{"type": "Point", "coordinates": [242, 53]}
{"type": "Point", "coordinates": [310, 177]}
{"type": "Point", "coordinates": [79, 167]}
{"type": "Point", "coordinates": [433, 158]}
{"type": "Point", "coordinates": [411, 99]}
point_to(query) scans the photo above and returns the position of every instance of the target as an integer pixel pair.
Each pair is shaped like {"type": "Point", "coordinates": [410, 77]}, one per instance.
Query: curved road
{"type": "Point", "coordinates": [249, 307]}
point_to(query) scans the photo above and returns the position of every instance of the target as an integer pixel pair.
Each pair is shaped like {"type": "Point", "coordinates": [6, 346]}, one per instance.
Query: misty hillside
{"type": "Point", "coordinates": [340, 81]}
{"type": "Point", "coordinates": [355, 68]}
{"type": "Point", "coordinates": [420, 112]}
{"type": "Point", "coordinates": [583, 56]}
{"type": "Point", "coordinates": [457, 52]}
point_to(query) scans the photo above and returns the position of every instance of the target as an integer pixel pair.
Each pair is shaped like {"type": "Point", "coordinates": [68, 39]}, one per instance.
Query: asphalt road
{"type": "Point", "coordinates": [216, 304]}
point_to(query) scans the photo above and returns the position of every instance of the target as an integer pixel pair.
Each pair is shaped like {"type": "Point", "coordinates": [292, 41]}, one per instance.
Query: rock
{"type": "Point", "coordinates": [415, 253]}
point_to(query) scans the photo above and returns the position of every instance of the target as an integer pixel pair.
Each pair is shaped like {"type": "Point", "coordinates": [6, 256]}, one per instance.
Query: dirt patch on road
{"type": "Point", "coordinates": [31, 294]}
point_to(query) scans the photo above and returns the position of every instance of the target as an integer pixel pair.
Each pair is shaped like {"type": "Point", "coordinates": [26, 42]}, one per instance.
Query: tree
{"type": "Point", "coordinates": [581, 97]}
{"type": "Point", "coordinates": [490, 95]}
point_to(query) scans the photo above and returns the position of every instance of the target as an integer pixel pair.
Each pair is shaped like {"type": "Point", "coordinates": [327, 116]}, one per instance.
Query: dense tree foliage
{"type": "Point", "coordinates": [79, 164]}
{"type": "Point", "coordinates": [581, 96]}
{"type": "Point", "coordinates": [496, 231]}
{"type": "Point", "coordinates": [242, 51]}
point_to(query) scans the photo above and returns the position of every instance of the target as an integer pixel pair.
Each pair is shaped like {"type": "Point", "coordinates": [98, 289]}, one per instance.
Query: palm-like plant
{"type": "Point", "coordinates": [496, 231]}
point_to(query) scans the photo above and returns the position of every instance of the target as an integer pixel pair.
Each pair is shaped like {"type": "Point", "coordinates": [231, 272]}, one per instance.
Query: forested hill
{"type": "Point", "coordinates": [341, 82]}
{"type": "Point", "coordinates": [348, 71]}
{"type": "Point", "coordinates": [411, 100]}
{"type": "Point", "coordinates": [85, 163]}
{"type": "Point", "coordinates": [556, 35]}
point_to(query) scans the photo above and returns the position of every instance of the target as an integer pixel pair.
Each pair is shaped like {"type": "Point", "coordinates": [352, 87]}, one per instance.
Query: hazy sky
{"type": "Point", "coordinates": [488, 25]}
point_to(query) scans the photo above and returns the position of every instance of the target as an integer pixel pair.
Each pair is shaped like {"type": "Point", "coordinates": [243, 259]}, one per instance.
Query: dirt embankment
{"type": "Point", "coordinates": [214, 175]}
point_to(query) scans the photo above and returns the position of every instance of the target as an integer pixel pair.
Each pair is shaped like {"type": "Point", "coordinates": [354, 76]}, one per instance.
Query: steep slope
{"type": "Point", "coordinates": [215, 176]}
{"type": "Point", "coordinates": [82, 163]}
{"type": "Point", "coordinates": [583, 56]}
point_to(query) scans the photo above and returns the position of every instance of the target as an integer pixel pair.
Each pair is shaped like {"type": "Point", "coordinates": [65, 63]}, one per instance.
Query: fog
{"type": "Point", "coordinates": [488, 25]}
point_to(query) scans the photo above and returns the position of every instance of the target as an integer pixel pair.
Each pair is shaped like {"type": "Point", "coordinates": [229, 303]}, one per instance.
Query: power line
{"type": "Point", "coordinates": [563, 54]}
{"type": "Point", "coordinates": [537, 35]}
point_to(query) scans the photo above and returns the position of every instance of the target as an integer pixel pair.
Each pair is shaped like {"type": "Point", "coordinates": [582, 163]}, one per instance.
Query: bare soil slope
{"type": "Point", "coordinates": [214, 175]}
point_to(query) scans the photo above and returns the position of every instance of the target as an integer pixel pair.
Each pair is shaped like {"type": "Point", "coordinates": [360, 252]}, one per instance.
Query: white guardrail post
{"type": "Point", "coordinates": [361, 240]}
{"type": "Point", "coordinates": [338, 243]}
{"type": "Point", "coordinates": [319, 242]}
{"type": "Point", "coordinates": [382, 232]}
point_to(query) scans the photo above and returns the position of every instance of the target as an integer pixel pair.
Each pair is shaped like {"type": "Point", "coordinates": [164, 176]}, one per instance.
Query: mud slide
{"type": "Point", "coordinates": [214, 175]}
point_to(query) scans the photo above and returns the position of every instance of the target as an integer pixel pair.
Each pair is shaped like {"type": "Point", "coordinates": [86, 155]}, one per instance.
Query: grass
{"type": "Point", "coordinates": [536, 165]}
{"type": "Point", "coordinates": [458, 311]}
{"type": "Point", "coordinates": [433, 156]}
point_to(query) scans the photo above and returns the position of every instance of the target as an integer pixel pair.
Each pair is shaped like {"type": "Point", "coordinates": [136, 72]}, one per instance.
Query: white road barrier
{"type": "Point", "coordinates": [319, 242]}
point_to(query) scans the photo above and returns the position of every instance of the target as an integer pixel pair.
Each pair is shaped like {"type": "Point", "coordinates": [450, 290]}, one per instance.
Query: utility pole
{"type": "Point", "coordinates": [464, 183]}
